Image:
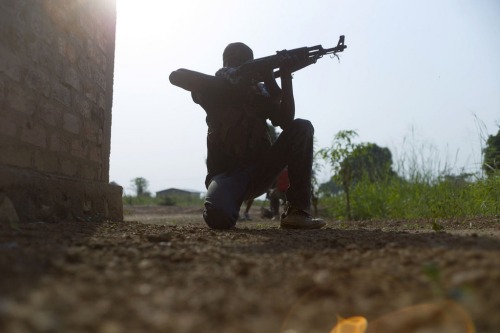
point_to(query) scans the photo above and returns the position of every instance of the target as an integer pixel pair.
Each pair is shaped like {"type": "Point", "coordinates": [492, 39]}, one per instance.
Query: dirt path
{"type": "Point", "coordinates": [163, 270]}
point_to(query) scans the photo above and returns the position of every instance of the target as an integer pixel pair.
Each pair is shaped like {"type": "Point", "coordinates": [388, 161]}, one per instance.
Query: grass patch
{"type": "Point", "coordinates": [419, 197]}
{"type": "Point", "coordinates": [181, 201]}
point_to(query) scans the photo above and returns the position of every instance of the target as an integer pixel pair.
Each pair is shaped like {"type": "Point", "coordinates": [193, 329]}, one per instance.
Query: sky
{"type": "Point", "coordinates": [421, 78]}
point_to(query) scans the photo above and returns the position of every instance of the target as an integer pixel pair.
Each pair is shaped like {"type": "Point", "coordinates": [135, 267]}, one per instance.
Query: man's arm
{"type": "Point", "coordinates": [287, 108]}
{"type": "Point", "coordinates": [284, 113]}
{"type": "Point", "coordinates": [198, 82]}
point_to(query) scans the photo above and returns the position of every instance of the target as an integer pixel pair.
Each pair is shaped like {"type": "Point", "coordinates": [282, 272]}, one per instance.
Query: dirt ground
{"type": "Point", "coordinates": [163, 270]}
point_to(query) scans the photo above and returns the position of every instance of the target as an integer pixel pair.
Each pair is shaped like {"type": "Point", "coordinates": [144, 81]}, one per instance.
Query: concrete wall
{"type": "Point", "coordinates": [56, 93]}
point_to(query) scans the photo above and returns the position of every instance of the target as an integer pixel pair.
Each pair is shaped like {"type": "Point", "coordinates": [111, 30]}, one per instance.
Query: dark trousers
{"type": "Point", "coordinates": [227, 191]}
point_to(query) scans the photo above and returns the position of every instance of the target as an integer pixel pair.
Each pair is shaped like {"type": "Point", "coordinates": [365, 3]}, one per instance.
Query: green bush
{"type": "Point", "coordinates": [419, 197]}
{"type": "Point", "coordinates": [166, 201]}
{"type": "Point", "coordinates": [420, 187]}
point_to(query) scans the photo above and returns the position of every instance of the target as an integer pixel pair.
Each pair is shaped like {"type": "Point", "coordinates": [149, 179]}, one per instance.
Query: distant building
{"type": "Point", "coordinates": [178, 193]}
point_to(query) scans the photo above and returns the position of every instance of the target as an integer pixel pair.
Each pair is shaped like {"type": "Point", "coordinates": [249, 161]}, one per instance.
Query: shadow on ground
{"type": "Point", "coordinates": [176, 275]}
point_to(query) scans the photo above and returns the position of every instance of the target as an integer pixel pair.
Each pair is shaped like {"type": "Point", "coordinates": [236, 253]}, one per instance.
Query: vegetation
{"type": "Point", "coordinates": [367, 185]}
{"type": "Point", "coordinates": [140, 186]}
{"type": "Point", "coordinates": [143, 196]}
{"type": "Point", "coordinates": [353, 163]}
{"type": "Point", "coordinates": [364, 186]}
{"type": "Point", "coordinates": [491, 153]}
{"type": "Point", "coordinates": [418, 198]}
{"type": "Point", "coordinates": [181, 201]}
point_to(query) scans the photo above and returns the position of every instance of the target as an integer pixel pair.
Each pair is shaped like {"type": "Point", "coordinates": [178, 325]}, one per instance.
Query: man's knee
{"type": "Point", "coordinates": [217, 218]}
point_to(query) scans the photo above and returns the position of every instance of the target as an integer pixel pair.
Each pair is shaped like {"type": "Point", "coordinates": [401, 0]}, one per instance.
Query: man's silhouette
{"type": "Point", "coordinates": [242, 163]}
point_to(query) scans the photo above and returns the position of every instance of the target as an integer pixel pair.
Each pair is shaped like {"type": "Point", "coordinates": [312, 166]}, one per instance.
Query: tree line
{"type": "Point", "coordinates": [364, 183]}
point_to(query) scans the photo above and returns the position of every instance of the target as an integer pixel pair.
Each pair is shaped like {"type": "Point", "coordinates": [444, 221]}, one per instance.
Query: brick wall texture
{"type": "Point", "coordinates": [56, 86]}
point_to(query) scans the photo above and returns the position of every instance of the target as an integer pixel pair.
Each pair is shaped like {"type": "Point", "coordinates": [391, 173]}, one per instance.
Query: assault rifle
{"type": "Point", "coordinates": [195, 81]}
{"type": "Point", "coordinates": [305, 55]}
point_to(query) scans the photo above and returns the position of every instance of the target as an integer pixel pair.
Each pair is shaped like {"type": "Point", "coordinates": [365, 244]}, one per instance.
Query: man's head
{"type": "Point", "coordinates": [236, 54]}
